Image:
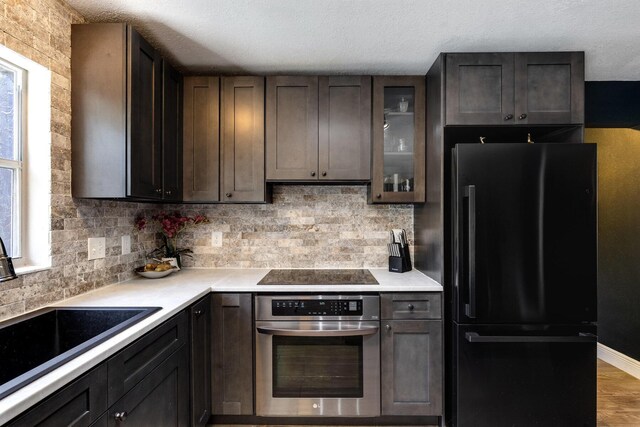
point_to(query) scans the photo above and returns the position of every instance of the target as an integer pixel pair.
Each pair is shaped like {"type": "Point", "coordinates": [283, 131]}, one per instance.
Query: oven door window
{"type": "Point", "coordinates": [317, 366]}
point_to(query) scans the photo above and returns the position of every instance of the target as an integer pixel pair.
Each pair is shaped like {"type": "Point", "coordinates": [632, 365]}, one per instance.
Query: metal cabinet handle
{"type": "Point", "coordinates": [228, 194]}
{"type": "Point", "coordinates": [581, 337]}
{"type": "Point", "coordinates": [158, 190]}
{"type": "Point", "coordinates": [120, 416]}
{"type": "Point", "coordinates": [378, 196]}
{"type": "Point", "coordinates": [198, 313]}
{"type": "Point", "coordinates": [313, 173]}
{"type": "Point", "coordinates": [168, 192]}
{"type": "Point", "coordinates": [324, 174]}
{"type": "Point", "coordinates": [410, 307]}
{"type": "Point", "coordinates": [522, 116]}
{"type": "Point", "coordinates": [508, 117]}
{"type": "Point", "coordinates": [355, 332]}
{"type": "Point", "coordinates": [470, 193]}
{"type": "Point", "coordinates": [387, 327]}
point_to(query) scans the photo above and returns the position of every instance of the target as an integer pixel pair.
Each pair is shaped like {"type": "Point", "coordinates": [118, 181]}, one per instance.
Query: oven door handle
{"type": "Point", "coordinates": [371, 330]}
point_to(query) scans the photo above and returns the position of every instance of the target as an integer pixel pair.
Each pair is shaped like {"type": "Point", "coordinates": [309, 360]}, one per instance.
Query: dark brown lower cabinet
{"type": "Point", "coordinates": [145, 384]}
{"type": "Point", "coordinates": [232, 354]}
{"type": "Point", "coordinates": [131, 365]}
{"type": "Point", "coordinates": [160, 399]}
{"type": "Point", "coordinates": [201, 361]}
{"type": "Point", "coordinates": [79, 403]}
{"type": "Point", "coordinates": [101, 422]}
{"type": "Point", "coordinates": [411, 367]}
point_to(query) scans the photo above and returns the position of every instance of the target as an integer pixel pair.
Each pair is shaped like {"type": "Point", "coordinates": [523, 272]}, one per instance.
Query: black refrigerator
{"type": "Point", "coordinates": [524, 249]}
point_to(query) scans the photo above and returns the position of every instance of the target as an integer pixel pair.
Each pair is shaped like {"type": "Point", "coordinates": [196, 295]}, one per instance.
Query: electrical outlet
{"type": "Point", "coordinates": [126, 244]}
{"type": "Point", "coordinates": [216, 239]}
{"type": "Point", "coordinates": [96, 247]}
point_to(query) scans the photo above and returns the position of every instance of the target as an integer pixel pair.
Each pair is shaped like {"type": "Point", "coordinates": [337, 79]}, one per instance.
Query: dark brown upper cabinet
{"type": "Point", "coordinates": [201, 139]}
{"type": "Point", "coordinates": [172, 108]}
{"type": "Point", "coordinates": [529, 88]}
{"type": "Point", "coordinates": [318, 128]}
{"type": "Point", "coordinates": [292, 128]}
{"type": "Point", "coordinates": [224, 140]}
{"type": "Point", "coordinates": [145, 142]}
{"type": "Point", "coordinates": [398, 174]}
{"type": "Point", "coordinates": [117, 105]}
{"type": "Point", "coordinates": [242, 146]}
{"type": "Point", "coordinates": [344, 128]}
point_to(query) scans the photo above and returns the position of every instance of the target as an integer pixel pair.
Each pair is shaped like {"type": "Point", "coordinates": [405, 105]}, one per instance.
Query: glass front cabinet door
{"type": "Point", "coordinates": [398, 139]}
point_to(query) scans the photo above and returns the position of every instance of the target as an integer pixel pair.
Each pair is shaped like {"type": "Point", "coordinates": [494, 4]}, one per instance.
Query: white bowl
{"type": "Point", "coordinates": [154, 274]}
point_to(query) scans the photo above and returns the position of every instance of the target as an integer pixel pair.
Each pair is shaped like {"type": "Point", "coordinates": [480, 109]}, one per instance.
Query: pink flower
{"type": "Point", "coordinates": [140, 222]}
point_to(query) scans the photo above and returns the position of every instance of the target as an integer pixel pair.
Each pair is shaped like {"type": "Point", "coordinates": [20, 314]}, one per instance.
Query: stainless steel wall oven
{"type": "Point", "coordinates": [317, 355]}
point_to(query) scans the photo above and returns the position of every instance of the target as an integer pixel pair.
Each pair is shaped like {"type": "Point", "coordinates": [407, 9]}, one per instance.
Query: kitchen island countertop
{"type": "Point", "coordinates": [174, 293]}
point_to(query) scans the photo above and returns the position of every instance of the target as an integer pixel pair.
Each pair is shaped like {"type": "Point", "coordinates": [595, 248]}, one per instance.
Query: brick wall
{"type": "Point", "coordinates": [306, 226]}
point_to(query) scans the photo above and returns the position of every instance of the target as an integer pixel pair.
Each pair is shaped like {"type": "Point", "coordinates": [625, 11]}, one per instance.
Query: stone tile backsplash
{"type": "Point", "coordinates": [306, 226]}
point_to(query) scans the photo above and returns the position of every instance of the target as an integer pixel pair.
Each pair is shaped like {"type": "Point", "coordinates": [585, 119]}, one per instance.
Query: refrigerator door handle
{"type": "Point", "coordinates": [470, 193]}
{"type": "Point", "coordinates": [474, 337]}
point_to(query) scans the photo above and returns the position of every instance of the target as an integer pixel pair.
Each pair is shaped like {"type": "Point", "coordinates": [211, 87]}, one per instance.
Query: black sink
{"type": "Point", "coordinates": [36, 343]}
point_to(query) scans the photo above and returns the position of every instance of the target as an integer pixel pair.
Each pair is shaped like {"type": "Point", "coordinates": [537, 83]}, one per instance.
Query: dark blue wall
{"type": "Point", "coordinates": [612, 104]}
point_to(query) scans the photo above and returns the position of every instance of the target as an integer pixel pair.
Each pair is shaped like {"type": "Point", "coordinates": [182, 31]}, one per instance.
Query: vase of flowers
{"type": "Point", "coordinates": [170, 225]}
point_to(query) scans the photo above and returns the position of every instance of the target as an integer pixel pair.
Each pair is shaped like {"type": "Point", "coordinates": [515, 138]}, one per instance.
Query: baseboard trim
{"type": "Point", "coordinates": [619, 360]}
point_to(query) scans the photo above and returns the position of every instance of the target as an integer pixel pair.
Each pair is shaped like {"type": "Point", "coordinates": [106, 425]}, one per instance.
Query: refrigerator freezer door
{"type": "Point", "coordinates": [525, 233]}
{"type": "Point", "coordinates": [525, 376]}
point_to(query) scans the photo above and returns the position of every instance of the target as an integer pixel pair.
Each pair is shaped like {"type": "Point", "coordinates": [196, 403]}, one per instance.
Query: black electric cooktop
{"type": "Point", "coordinates": [319, 277]}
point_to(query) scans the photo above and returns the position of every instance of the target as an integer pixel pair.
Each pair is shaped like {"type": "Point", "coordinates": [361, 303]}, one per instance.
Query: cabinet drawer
{"type": "Point", "coordinates": [78, 404]}
{"type": "Point", "coordinates": [131, 365]}
{"type": "Point", "coordinates": [161, 399]}
{"type": "Point", "coordinates": [411, 306]}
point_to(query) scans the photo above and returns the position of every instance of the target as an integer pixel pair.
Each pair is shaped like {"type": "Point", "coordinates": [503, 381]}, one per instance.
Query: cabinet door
{"type": "Point", "coordinates": [549, 88]}
{"type": "Point", "coordinates": [102, 421]}
{"type": "Point", "coordinates": [201, 362]}
{"type": "Point", "coordinates": [411, 367]}
{"type": "Point", "coordinates": [479, 89]}
{"type": "Point", "coordinates": [78, 404]}
{"type": "Point", "coordinates": [171, 133]}
{"type": "Point", "coordinates": [292, 128]}
{"type": "Point", "coordinates": [242, 147]}
{"type": "Point", "coordinates": [135, 362]}
{"type": "Point", "coordinates": [201, 139]}
{"type": "Point", "coordinates": [344, 128]}
{"type": "Point", "coordinates": [398, 140]}
{"type": "Point", "coordinates": [144, 167]}
{"type": "Point", "coordinates": [99, 134]}
{"type": "Point", "coordinates": [232, 351]}
{"type": "Point", "coordinates": [160, 399]}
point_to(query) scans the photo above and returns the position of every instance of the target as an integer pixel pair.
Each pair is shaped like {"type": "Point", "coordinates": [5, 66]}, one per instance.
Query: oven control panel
{"type": "Point", "coordinates": [324, 307]}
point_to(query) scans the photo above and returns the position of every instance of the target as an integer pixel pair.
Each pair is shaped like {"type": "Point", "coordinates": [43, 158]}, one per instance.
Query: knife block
{"type": "Point", "coordinates": [400, 264]}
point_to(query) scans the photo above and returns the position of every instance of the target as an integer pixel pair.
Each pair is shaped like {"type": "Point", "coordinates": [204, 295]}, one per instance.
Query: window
{"type": "Point", "coordinates": [11, 133]}
{"type": "Point", "coordinates": [25, 160]}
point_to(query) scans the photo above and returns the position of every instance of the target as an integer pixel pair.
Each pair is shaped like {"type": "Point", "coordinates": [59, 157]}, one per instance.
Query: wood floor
{"type": "Point", "coordinates": [618, 397]}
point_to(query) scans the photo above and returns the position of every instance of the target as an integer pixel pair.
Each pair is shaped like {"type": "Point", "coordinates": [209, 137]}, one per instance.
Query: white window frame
{"type": "Point", "coordinates": [34, 198]}
{"type": "Point", "coordinates": [19, 122]}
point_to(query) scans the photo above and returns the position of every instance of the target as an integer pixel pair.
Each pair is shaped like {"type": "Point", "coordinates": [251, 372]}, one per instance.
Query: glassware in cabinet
{"type": "Point", "coordinates": [398, 139]}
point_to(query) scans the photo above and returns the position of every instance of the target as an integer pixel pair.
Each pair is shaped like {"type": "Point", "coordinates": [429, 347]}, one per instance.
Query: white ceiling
{"type": "Point", "coordinates": [375, 36]}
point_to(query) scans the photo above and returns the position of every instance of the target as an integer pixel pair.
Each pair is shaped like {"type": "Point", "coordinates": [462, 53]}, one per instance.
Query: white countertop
{"type": "Point", "coordinates": [174, 293]}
